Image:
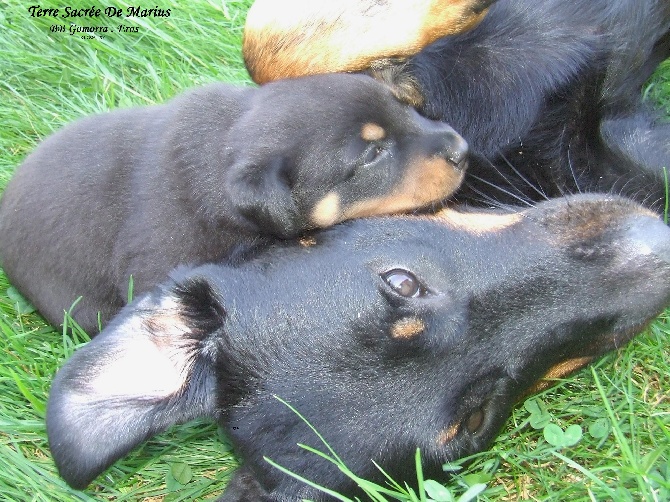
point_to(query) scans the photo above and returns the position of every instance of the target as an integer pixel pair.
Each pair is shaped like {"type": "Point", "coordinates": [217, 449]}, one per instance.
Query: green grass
{"type": "Point", "coordinates": [621, 407]}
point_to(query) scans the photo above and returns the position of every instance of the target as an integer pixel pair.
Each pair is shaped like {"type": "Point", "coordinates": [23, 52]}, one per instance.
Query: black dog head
{"type": "Point", "coordinates": [315, 151]}
{"type": "Point", "coordinates": [386, 334]}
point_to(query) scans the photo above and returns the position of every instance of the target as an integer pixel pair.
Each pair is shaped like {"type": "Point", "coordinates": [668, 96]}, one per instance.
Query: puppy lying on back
{"type": "Point", "coordinates": [140, 191]}
{"type": "Point", "coordinates": [387, 334]}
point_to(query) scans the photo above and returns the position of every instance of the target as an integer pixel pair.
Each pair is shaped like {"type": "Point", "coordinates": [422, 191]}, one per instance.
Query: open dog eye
{"type": "Point", "coordinates": [404, 283]}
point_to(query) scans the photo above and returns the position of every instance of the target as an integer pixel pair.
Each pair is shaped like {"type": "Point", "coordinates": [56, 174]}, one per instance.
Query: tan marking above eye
{"type": "Point", "coordinates": [326, 212]}
{"type": "Point", "coordinates": [372, 132]}
{"type": "Point", "coordinates": [446, 435]}
{"type": "Point", "coordinates": [407, 328]}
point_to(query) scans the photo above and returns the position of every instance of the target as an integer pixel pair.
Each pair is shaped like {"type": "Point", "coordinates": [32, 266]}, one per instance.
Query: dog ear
{"type": "Point", "coordinates": [262, 194]}
{"type": "Point", "coordinates": [152, 367]}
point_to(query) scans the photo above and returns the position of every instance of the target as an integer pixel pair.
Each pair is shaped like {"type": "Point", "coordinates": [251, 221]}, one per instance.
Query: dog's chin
{"type": "Point", "coordinates": [478, 424]}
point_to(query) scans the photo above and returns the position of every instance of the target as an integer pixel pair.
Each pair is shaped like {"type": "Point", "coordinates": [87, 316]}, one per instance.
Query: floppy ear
{"type": "Point", "coordinates": [152, 367]}
{"type": "Point", "coordinates": [261, 194]}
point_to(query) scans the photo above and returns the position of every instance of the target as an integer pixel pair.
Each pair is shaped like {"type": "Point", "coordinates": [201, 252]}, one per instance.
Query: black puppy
{"type": "Point", "coordinates": [546, 92]}
{"type": "Point", "coordinates": [140, 191]}
{"type": "Point", "coordinates": [386, 334]}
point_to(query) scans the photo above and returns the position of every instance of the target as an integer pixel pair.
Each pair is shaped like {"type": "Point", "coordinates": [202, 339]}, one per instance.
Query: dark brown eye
{"type": "Point", "coordinates": [404, 283]}
{"type": "Point", "coordinates": [475, 421]}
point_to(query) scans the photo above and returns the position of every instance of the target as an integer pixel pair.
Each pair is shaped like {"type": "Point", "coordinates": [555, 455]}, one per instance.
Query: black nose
{"type": "Point", "coordinates": [647, 235]}
{"type": "Point", "coordinates": [444, 141]}
{"type": "Point", "coordinates": [456, 149]}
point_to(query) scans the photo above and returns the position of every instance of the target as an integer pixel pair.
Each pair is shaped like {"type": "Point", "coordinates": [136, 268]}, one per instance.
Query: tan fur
{"type": "Point", "coordinates": [561, 370]}
{"type": "Point", "coordinates": [326, 212]}
{"type": "Point", "coordinates": [448, 434]}
{"type": "Point", "coordinates": [307, 242]}
{"type": "Point", "coordinates": [407, 328]}
{"type": "Point", "coordinates": [372, 132]}
{"type": "Point", "coordinates": [290, 38]}
{"type": "Point", "coordinates": [426, 181]}
{"type": "Point", "coordinates": [477, 223]}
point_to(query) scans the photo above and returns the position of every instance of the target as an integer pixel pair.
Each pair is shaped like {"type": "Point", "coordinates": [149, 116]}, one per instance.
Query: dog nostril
{"type": "Point", "coordinates": [462, 165]}
{"type": "Point", "coordinates": [475, 421]}
{"type": "Point", "coordinates": [456, 150]}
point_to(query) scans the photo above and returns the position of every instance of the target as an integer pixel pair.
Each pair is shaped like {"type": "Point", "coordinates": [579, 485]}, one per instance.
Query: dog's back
{"type": "Point", "coordinates": [63, 211]}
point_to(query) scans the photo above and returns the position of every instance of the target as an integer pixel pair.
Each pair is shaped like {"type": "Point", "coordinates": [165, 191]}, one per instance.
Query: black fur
{"type": "Point", "coordinates": [548, 94]}
{"type": "Point", "coordinates": [318, 326]}
{"type": "Point", "coordinates": [140, 191]}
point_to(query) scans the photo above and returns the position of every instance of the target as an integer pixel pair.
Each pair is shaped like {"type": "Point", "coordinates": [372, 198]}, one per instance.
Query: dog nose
{"type": "Point", "coordinates": [452, 146]}
{"type": "Point", "coordinates": [455, 149]}
{"type": "Point", "coordinates": [444, 141]}
{"type": "Point", "coordinates": [647, 235]}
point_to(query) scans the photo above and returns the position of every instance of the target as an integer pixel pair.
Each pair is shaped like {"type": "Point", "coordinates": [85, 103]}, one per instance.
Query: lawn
{"type": "Point", "coordinates": [603, 434]}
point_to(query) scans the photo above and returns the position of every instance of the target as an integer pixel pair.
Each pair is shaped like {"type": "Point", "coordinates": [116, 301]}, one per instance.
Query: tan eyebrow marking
{"type": "Point", "coordinates": [407, 328]}
{"type": "Point", "coordinates": [372, 132]}
{"type": "Point", "coordinates": [448, 434]}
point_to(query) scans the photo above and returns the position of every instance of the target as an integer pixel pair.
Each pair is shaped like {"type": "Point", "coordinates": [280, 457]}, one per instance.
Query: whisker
{"type": "Point", "coordinates": [572, 169]}
{"type": "Point", "coordinates": [503, 190]}
{"type": "Point", "coordinates": [505, 178]}
{"type": "Point", "coordinates": [537, 189]}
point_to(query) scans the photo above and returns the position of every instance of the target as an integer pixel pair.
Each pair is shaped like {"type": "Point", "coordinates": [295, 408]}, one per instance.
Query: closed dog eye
{"type": "Point", "coordinates": [404, 283]}
{"type": "Point", "coordinates": [372, 153]}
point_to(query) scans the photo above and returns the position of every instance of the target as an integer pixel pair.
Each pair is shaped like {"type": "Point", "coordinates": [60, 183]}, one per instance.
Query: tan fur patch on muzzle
{"type": "Point", "coordinates": [425, 182]}
{"type": "Point", "coordinates": [558, 371]}
{"type": "Point", "coordinates": [326, 212]}
{"type": "Point", "coordinates": [477, 223]}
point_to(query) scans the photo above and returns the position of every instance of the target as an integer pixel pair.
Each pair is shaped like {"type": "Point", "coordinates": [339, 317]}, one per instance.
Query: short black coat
{"type": "Point", "coordinates": [137, 192]}
{"type": "Point", "coordinates": [387, 334]}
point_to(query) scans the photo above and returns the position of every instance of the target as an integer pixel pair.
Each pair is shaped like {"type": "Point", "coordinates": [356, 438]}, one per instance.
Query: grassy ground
{"type": "Point", "coordinates": [616, 416]}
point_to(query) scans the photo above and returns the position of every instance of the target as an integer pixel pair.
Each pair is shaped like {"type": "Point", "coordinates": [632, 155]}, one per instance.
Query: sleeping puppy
{"type": "Point", "coordinates": [302, 37]}
{"type": "Point", "coordinates": [137, 192]}
{"type": "Point", "coordinates": [546, 92]}
{"type": "Point", "coordinates": [386, 334]}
